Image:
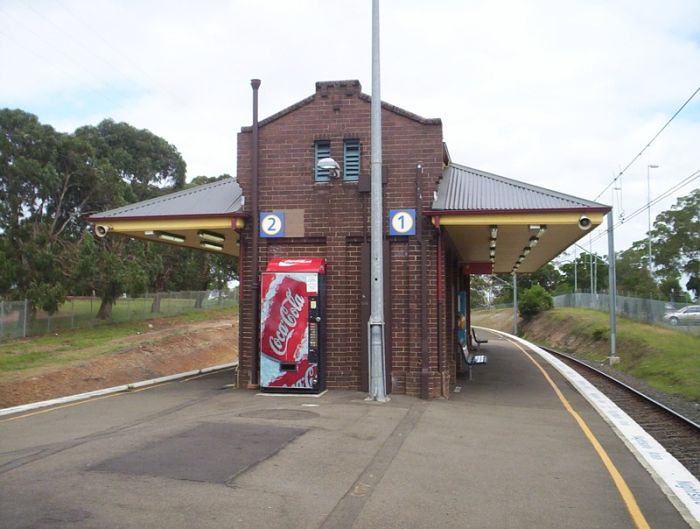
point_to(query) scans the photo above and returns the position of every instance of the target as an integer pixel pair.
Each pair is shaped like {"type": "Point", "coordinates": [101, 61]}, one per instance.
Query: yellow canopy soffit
{"type": "Point", "coordinates": [185, 228]}
{"type": "Point", "coordinates": [512, 219]}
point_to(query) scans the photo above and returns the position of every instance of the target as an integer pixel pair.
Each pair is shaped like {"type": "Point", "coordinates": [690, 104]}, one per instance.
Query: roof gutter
{"type": "Point", "coordinates": [468, 212]}
{"type": "Point", "coordinates": [424, 348]}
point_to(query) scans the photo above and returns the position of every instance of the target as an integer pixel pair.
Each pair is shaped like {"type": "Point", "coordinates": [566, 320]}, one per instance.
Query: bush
{"type": "Point", "coordinates": [534, 300]}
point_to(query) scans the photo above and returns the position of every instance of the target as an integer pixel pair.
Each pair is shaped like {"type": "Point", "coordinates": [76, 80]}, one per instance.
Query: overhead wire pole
{"type": "Point", "coordinates": [684, 182]}
{"type": "Point", "coordinates": [377, 383]}
{"type": "Point", "coordinates": [612, 287]}
{"type": "Point", "coordinates": [697, 90]}
{"type": "Point", "coordinates": [649, 168]}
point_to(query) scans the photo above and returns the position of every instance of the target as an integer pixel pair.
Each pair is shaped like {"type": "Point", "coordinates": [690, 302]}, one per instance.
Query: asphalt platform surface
{"type": "Point", "coordinates": [501, 453]}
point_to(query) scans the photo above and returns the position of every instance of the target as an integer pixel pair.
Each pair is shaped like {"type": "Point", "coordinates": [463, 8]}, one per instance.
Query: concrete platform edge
{"type": "Point", "coordinates": [679, 485]}
{"type": "Point", "coordinates": [114, 389]}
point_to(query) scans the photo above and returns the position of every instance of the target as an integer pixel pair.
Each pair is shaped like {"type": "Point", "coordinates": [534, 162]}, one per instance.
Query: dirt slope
{"type": "Point", "coordinates": [164, 349]}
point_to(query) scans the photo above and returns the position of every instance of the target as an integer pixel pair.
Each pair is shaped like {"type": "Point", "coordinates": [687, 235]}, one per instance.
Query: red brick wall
{"type": "Point", "coordinates": [336, 221]}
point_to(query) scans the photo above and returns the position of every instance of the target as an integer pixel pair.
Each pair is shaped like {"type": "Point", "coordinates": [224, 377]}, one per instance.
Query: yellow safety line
{"type": "Point", "coordinates": [632, 507]}
{"type": "Point", "coordinates": [78, 403]}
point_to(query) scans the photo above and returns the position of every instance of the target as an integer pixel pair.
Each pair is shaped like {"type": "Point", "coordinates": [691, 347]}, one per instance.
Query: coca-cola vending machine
{"type": "Point", "coordinates": [292, 327]}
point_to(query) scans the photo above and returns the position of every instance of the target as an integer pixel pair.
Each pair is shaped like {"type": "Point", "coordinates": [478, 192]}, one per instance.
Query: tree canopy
{"type": "Point", "coordinates": [50, 181]}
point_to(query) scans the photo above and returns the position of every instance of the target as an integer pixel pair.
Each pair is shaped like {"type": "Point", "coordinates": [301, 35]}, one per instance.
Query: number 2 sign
{"type": "Point", "coordinates": [271, 224]}
{"type": "Point", "coordinates": [402, 222]}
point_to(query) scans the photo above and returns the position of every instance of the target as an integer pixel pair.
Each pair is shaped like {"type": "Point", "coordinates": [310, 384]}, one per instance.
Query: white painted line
{"type": "Point", "coordinates": [114, 389]}
{"type": "Point", "coordinates": [682, 488]}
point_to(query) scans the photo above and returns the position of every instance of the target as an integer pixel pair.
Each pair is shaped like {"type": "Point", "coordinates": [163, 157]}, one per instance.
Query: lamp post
{"type": "Point", "coordinates": [649, 168]}
{"type": "Point", "coordinates": [377, 384]}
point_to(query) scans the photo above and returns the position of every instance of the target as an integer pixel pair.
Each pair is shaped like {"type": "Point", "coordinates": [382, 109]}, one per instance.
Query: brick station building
{"type": "Point", "coordinates": [467, 222]}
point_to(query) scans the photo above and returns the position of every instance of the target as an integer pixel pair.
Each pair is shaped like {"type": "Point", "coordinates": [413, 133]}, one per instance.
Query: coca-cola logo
{"type": "Point", "coordinates": [289, 311]}
{"type": "Point", "coordinates": [308, 380]}
{"type": "Point", "coordinates": [284, 317]}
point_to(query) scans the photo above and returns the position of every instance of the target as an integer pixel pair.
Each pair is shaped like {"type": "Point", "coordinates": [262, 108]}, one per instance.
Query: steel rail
{"type": "Point", "coordinates": [643, 396]}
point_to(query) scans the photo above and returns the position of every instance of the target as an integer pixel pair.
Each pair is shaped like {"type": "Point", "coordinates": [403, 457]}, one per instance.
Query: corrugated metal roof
{"type": "Point", "coordinates": [466, 189]}
{"type": "Point", "coordinates": [218, 198]}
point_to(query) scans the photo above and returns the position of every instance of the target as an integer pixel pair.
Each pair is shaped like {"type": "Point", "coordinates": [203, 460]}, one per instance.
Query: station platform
{"type": "Point", "coordinates": [502, 453]}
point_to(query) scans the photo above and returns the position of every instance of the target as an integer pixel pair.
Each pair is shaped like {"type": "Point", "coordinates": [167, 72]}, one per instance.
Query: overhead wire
{"type": "Point", "coordinates": [67, 56]}
{"type": "Point", "coordinates": [648, 143]}
{"type": "Point", "coordinates": [119, 53]}
{"type": "Point", "coordinates": [684, 182]}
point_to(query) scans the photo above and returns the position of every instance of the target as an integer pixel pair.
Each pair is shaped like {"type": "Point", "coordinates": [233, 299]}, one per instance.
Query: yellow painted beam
{"type": "Point", "coordinates": [119, 226]}
{"type": "Point", "coordinates": [514, 219]}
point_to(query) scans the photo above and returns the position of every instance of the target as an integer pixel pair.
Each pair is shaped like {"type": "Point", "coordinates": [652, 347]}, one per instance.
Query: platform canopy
{"type": "Point", "coordinates": [206, 217]}
{"type": "Point", "coordinates": [499, 225]}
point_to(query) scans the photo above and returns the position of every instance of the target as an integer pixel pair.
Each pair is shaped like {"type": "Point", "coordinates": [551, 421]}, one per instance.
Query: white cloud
{"type": "Point", "coordinates": [559, 94]}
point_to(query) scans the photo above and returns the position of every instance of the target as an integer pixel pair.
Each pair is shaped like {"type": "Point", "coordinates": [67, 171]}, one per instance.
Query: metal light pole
{"type": "Point", "coordinates": [649, 167]}
{"type": "Point", "coordinates": [590, 267]}
{"type": "Point", "coordinates": [515, 304]}
{"type": "Point", "coordinates": [377, 384]}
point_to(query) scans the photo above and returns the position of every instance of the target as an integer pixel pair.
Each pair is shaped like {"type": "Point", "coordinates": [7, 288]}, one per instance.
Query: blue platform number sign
{"type": "Point", "coordinates": [402, 222]}
{"type": "Point", "coordinates": [271, 224]}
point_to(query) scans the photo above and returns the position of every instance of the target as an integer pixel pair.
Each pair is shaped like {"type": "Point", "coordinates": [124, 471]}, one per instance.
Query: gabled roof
{"type": "Point", "coordinates": [220, 198]}
{"type": "Point", "coordinates": [348, 88]}
{"type": "Point", "coordinates": [466, 189]}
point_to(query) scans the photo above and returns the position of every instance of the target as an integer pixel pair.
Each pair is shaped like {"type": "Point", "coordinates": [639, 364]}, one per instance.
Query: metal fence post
{"type": "Point", "coordinates": [24, 318]}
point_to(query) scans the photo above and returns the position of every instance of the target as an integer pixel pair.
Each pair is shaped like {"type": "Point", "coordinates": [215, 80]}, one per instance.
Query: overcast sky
{"type": "Point", "coordinates": [561, 93]}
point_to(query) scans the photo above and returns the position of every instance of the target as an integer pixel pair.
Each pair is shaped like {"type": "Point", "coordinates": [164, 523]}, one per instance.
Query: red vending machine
{"type": "Point", "coordinates": [292, 327]}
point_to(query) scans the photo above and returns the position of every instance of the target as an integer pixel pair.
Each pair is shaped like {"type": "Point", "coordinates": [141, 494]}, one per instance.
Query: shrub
{"type": "Point", "coordinates": [600, 333]}
{"type": "Point", "coordinates": [534, 300]}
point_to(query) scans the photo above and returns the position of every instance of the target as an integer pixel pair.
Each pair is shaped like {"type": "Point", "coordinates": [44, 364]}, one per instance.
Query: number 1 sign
{"type": "Point", "coordinates": [402, 222]}
{"type": "Point", "coordinates": [271, 224]}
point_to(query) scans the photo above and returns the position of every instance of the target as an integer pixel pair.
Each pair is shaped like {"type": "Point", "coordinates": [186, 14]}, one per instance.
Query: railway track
{"type": "Point", "coordinates": [675, 432]}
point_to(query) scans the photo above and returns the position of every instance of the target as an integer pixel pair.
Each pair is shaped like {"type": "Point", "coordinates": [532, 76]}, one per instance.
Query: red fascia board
{"type": "Point", "coordinates": [477, 268]}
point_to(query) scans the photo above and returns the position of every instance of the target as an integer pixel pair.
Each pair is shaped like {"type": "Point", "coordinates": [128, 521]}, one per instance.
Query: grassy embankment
{"type": "Point", "coordinates": [666, 359]}
{"type": "Point", "coordinates": [77, 345]}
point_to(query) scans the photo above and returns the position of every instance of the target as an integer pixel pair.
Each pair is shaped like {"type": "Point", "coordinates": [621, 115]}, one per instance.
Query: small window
{"type": "Point", "coordinates": [323, 150]}
{"type": "Point", "coordinates": [351, 160]}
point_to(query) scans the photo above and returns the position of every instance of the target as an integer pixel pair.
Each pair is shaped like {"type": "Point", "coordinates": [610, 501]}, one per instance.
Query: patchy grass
{"type": "Point", "coordinates": [79, 313]}
{"type": "Point", "coordinates": [81, 344]}
{"type": "Point", "coordinates": [665, 358]}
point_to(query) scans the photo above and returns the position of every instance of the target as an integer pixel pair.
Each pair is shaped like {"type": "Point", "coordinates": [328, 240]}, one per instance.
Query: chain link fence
{"type": "Point", "coordinates": [18, 321]}
{"type": "Point", "coordinates": [640, 309]}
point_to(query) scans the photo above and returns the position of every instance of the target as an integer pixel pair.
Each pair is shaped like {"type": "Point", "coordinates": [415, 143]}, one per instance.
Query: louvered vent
{"type": "Point", "coordinates": [323, 150]}
{"type": "Point", "coordinates": [351, 160]}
